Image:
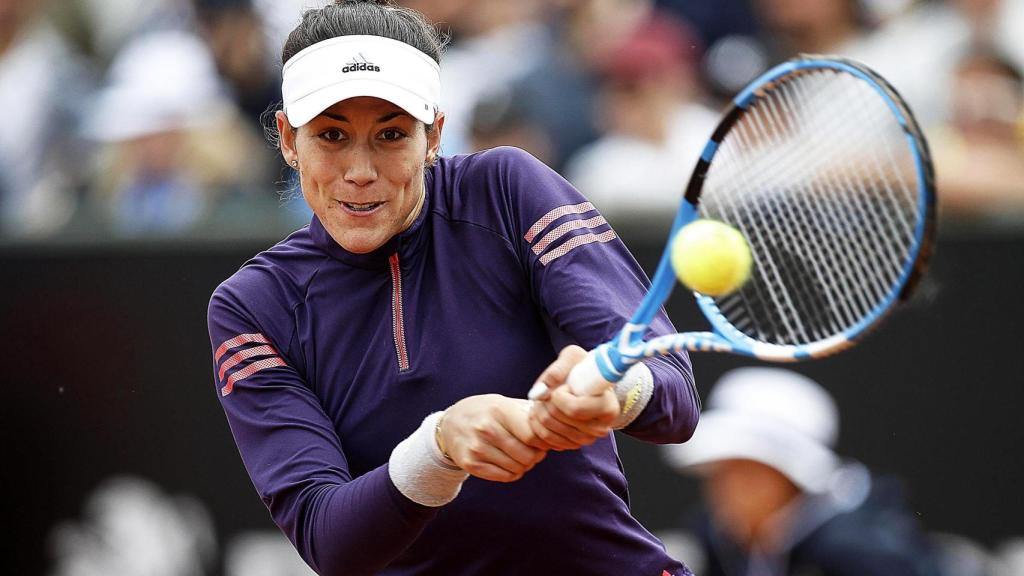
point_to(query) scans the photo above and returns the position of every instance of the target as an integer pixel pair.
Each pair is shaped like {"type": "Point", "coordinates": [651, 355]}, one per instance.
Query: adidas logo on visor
{"type": "Point", "coordinates": [357, 65]}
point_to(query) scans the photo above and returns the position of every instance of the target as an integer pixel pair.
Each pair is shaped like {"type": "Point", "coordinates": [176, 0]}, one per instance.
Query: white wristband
{"type": "Point", "coordinates": [420, 471]}
{"type": "Point", "coordinates": [634, 392]}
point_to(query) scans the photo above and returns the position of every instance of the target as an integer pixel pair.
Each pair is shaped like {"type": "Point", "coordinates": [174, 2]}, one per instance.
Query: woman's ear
{"type": "Point", "coordinates": [286, 135]}
{"type": "Point", "coordinates": [434, 139]}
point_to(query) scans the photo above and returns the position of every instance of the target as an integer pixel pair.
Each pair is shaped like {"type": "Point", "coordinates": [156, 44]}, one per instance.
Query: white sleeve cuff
{"type": "Point", "coordinates": [420, 471]}
{"type": "Point", "coordinates": [634, 392]}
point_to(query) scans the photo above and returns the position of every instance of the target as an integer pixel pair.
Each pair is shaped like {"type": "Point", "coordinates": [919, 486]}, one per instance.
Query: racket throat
{"type": "Point", "coordinates": [615, 358]}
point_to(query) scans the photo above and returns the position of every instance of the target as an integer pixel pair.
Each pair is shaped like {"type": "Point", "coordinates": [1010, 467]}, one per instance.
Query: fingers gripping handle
{"type": "Point", "coordinates": [585, 378]}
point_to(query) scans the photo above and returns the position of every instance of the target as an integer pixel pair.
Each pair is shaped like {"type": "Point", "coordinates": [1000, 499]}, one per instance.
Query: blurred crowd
{"type": "Point", "coordinates": [132, 526]}
{"type": "Point", "coordinates": [778, 499]}
{"type": "Point", "coordinates": [145, 119]}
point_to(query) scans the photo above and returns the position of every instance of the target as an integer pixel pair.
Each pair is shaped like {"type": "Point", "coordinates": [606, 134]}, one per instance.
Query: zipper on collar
{"type": "Point", "coordinates": [398, 322]}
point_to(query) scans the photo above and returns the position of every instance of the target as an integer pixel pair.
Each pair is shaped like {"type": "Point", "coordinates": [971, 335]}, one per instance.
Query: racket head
{"type": "Point", "coordinates": [821, 165]}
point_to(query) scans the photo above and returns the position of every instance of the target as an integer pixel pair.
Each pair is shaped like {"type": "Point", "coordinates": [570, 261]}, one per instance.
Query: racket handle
{"type": "Point", "coordinates": [585, 378]}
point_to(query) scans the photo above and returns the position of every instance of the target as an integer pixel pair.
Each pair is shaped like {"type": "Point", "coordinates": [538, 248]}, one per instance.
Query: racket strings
{"type": "Point", "coordinates": [882, 216]}
{"type": "Point", "coordinates": [810, 220]}
{"type": "Point", "coordinates": [853, 263]}
{"type": "Point", "coordinates": [818, 175]}
{"type": "Point", "coordinates": [783, 272]}
{"type": "Point", "coordinates": [896, 208]}
{"type": "Point", "coordinates": [835, 179]}
{"type": "Point", "coordinates": [768, 284]}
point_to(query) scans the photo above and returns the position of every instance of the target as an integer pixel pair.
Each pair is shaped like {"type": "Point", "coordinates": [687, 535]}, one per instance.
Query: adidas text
{"type": "Point", "coordinates": [360, 67]}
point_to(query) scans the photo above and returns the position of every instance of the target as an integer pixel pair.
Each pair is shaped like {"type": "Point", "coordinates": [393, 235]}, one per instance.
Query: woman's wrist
{"type": "Point", "coordinates": [439, 439]}
{"type": "Point", "coordinates": [419, 469]}
{"type": "Point", "coordinates": [634, 391]}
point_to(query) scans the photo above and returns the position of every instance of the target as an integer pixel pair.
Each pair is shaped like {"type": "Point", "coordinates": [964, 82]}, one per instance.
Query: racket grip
{"type": "Point", "coordinates": [585, 378]}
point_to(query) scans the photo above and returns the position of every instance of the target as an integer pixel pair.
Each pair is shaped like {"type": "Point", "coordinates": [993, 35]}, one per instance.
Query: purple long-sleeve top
{"type": "Point", "coordinates": [324, 360]}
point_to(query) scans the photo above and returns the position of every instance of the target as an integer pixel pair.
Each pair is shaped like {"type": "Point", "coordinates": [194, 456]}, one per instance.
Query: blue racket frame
{"type": "Point", "coordinates": [628, 347]}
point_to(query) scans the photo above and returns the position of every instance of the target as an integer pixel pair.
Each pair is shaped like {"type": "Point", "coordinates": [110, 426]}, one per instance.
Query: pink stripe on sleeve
{"type": "Point", "coordinates": [234, 359]}
{"type": "Point", "coordinates": [564, 229]}
{"type": "Point", "coordinates": [238, 341]}
{"type": "Point", "coordinates": [555, 214]}
{"type": "Point", "coordinates": [581, 240]}
{"type": "Point", "coordinates": [249, 371]}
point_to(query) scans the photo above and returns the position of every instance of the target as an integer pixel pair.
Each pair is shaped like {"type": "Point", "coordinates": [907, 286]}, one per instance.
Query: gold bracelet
{"type": "Point", "coordinates": [440, 441]}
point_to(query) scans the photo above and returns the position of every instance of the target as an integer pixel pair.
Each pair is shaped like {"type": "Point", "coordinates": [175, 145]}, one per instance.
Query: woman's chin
{"type": "Point", "coordinates": [360, 243]}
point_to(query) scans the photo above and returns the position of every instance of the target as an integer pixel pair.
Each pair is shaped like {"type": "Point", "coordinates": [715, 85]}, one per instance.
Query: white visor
{"type": "Point", "coordinates": [349, 66]}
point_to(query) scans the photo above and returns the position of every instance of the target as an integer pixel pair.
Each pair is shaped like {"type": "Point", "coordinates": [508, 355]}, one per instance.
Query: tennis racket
{"type": "Point", "coordinates": [822, 167]}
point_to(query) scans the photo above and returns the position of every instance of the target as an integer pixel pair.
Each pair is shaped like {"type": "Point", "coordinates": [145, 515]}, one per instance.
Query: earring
{"type": "Point", "coordinates": [295, 164]}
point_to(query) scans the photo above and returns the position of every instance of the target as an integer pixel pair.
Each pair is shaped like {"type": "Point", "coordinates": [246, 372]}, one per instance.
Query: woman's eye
{"type": "Point", "coordinates": [332, 135]}
{"type": "Point", "coordinates": [392, 134]}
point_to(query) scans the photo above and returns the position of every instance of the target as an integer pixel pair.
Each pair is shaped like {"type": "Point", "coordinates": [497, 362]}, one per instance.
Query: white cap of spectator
{"type": "Point", "coordinates": [769, 415]}
{"type": "Point", "coordinates": [160, 81]}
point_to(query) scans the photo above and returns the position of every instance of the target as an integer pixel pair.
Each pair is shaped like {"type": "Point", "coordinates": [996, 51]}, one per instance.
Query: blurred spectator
{"type": "Point", "coordinates": [503, 119]}
{"type": "Point", "coordinates": [498, 43]}
{"type": "Point", "coordinates": [729, 31]}
{"type": "Point", "coordinates": [761, 33]}
{"type": "Point", "coordinates": [960, 556]}
{"type": "Point", "coordinates": [130, 527]}
{"type": "Point", "coordinates": [263, 554]}
{"type": "Point", "coordinates": [926, 39]}
{"type": "Point", "coordinates": [655, 125]}
{"type": "Point", "coordinates": [1010, 558]}
{"type": "Point", "coordinates": [172, 143]}
{"type": "Point", "coordinates": [103, 27]}
{"type": "Point", "coordinates": [41, 83]}
{"type": "Point", "coordinates": [979, 154]}
{"type": "Point", "coordinates": [995, 22]}
{"type": "Point", "coordinates": [879, 11]}
{"type": "Point", "coordinates": [779, 501]}
{"type": "Point", "coordinates": [793, 27]}
{"type": "Point", "coordinates": [281, 16]}
{"type": "Point", "coordinates": [715, 20]}
{"type": "Point", "coordinates": [446, 13]}
{"type": "Point", "coordinates": [917, 49]}
{"type": "Point", "coordinates": [561, 90]}
{"type": "Point", "coordinates": [236, 38]}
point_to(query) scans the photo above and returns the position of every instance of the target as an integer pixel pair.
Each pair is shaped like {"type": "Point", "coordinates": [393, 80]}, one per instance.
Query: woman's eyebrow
{"type": "Point", "coordinates": [384, 118]}
{"type": "Point", "coordinates": [334, 116]}
{"type": "Point", "coordinates": [392, 115]}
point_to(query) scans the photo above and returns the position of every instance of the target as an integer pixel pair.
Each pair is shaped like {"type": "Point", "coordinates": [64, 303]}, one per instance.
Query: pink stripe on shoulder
{"type": "Point", "coordinates": [249, 371]}
{"type": "Point", "coordinates": [563, 229]}
{"type": "Point", "coordinates": [238, 357]}
{"type": "Point", "coordinates": [555, 214]}
{"type": "Point", "coordinates": [238, 341]}
{"type": "Point", "coordinates": [572, 244]}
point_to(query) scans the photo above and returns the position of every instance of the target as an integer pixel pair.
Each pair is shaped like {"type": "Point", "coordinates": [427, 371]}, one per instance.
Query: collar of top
{"type": "Point", "coordinates": [349, 66]}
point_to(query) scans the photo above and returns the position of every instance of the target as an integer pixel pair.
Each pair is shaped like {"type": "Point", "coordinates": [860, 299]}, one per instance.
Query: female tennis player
{"type": "Point", "coordinates": [373, 366]}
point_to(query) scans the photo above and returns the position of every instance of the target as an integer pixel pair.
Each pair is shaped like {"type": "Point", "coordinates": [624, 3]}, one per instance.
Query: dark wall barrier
{"type": "Point", "coordinates": [106, 369]}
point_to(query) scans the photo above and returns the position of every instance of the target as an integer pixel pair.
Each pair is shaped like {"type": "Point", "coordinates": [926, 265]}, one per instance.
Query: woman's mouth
{"type": "Point", "coordinates": [361, 208]}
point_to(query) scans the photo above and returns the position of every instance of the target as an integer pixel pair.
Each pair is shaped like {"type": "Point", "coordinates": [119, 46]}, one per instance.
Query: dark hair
{"type": "Point", "coordinates": [364, 18]}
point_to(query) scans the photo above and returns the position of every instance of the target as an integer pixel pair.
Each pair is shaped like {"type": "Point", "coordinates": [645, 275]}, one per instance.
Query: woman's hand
{"type": "Point", "coordinates": [490, 437]}
{"type": "Point", "coordinates": [564, 421]}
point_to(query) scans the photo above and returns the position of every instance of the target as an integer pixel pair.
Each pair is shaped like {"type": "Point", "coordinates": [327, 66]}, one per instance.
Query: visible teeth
{"type": "Point", "coordinates": [362, 207]}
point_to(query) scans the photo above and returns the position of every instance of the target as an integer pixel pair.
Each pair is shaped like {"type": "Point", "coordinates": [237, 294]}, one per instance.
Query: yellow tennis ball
{"type": "Point", "coordinates": [711, 257]}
